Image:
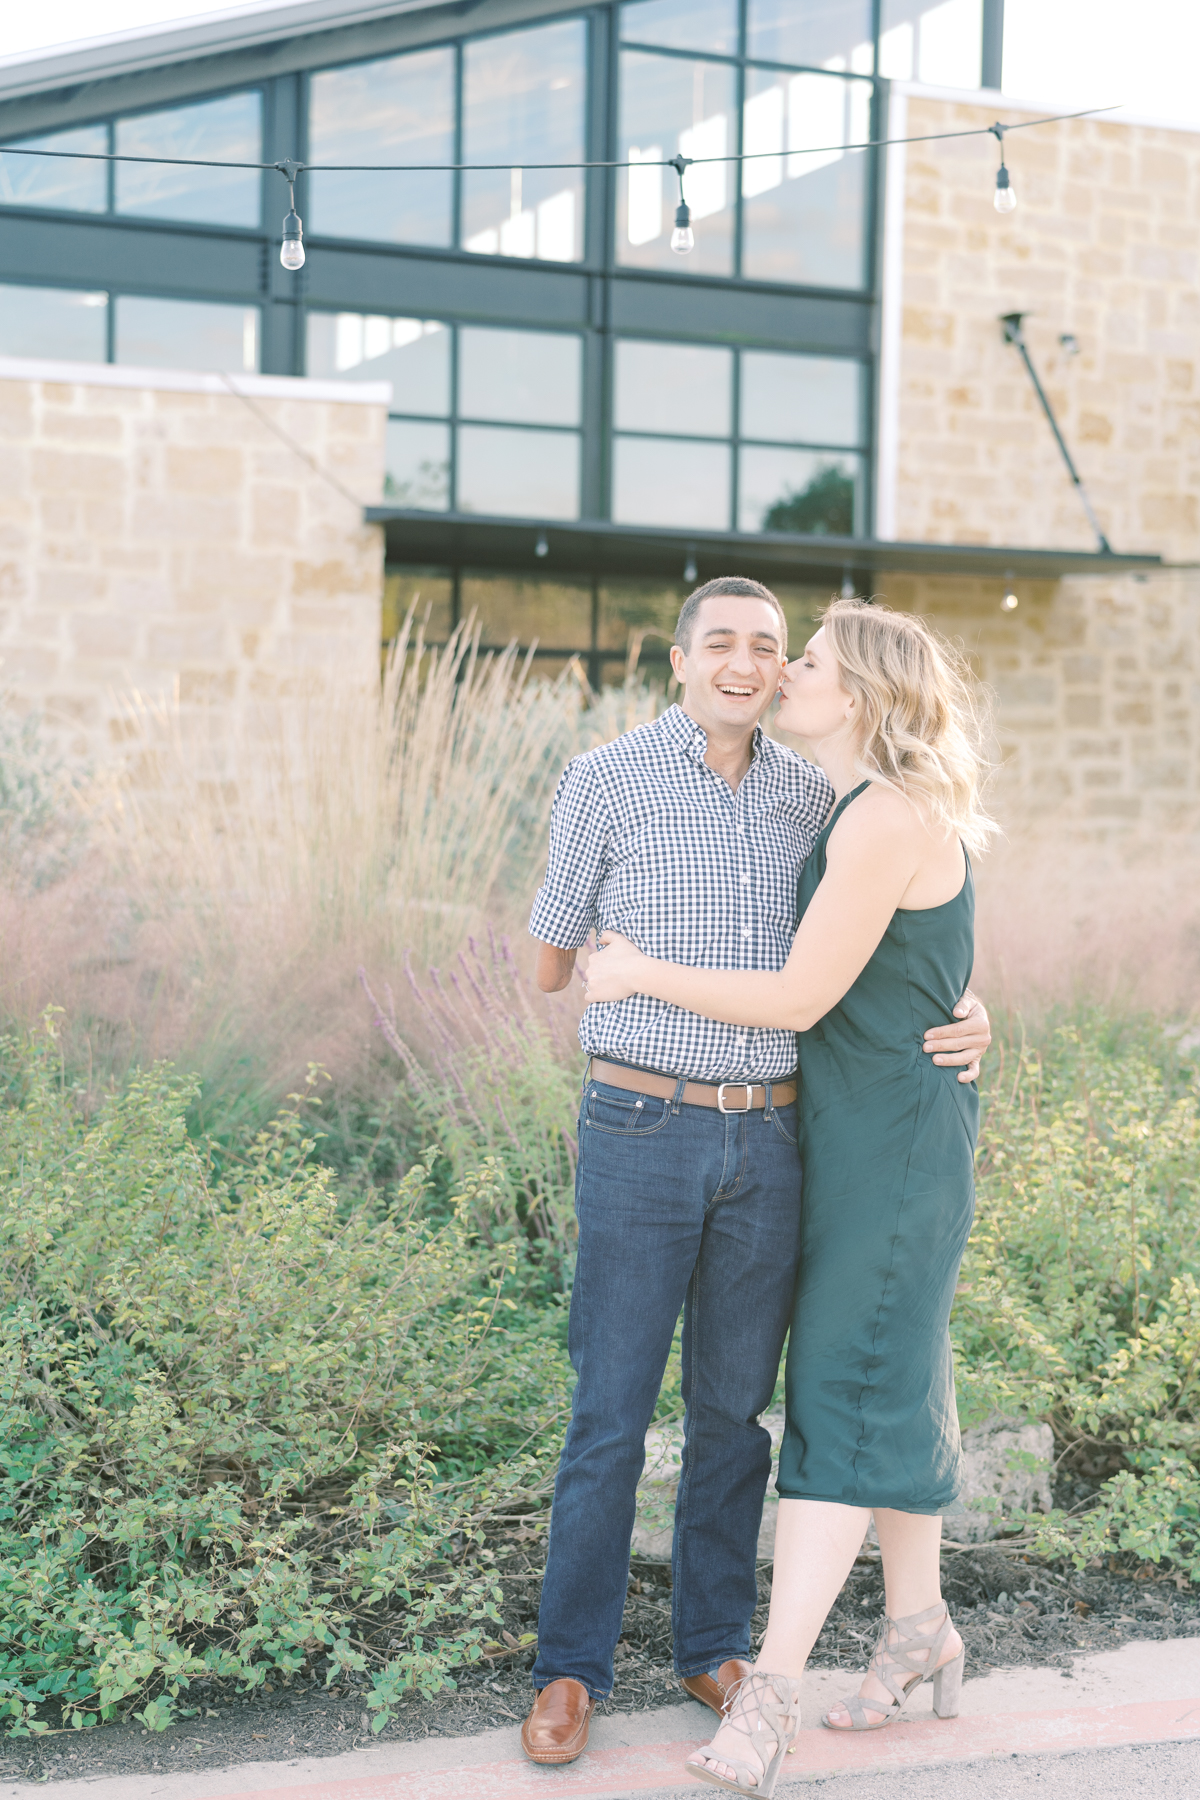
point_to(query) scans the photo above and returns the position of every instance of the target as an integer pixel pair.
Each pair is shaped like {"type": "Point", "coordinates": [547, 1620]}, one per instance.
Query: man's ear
{"type": "Point", "coordinates": [677, 662]}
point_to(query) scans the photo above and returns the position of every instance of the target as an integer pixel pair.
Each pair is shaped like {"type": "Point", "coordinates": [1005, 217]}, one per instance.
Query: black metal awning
{"type": "Point", "coordinates": [596, 548]}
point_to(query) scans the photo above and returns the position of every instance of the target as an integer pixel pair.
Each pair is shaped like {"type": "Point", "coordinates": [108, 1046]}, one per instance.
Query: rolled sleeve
{"type": "Point", "coordinates": [565, 906]}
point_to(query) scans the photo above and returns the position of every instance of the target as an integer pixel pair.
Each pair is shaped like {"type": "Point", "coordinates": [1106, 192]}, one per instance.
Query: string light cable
{"type": "Point", "coordinates": [683, 237]}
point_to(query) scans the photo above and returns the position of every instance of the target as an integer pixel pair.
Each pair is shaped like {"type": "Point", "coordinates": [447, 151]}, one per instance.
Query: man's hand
{"type": "Point", "coordinates": [950, 1045]}
{"type": "Point", "coordinates": [554, 968]}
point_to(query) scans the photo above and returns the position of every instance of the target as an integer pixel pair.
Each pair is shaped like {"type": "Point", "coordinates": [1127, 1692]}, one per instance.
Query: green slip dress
{"type": "Point", "coordinates": [887, 1143]}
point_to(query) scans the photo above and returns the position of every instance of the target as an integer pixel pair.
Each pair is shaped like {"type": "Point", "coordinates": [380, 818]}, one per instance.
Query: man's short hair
{"type": "Point", "coordinates": [740, 585]}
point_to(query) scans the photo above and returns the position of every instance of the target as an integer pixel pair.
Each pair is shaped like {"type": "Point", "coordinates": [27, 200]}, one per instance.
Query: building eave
{"type": "Point", "coordinates": [239, 28]}
{"type": "Point", "coordinates": [599, 548]}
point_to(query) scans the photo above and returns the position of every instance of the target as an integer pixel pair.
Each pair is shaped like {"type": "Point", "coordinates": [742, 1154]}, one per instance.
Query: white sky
{"type": "Point", "coordinates": [1070, 52]}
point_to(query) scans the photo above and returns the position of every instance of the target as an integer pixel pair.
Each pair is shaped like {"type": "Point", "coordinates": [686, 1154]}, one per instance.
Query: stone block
{"type": "Point", "coordinates": [1084, 709]}
{"type": "Point", "coordinates": [1006, 1469]}
{"type": "Point", "coordinates": [104, 635]}
{"type": "Point", "coordinates": [196, 471]}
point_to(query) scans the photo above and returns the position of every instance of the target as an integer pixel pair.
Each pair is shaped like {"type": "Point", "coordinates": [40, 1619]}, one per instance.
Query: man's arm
{"type": "Point", "coordinates": [564, 909]}
{"type": "Point", "coordinates": [554, 968]}
{"type": "Point", "coordinates": [966, 1042]}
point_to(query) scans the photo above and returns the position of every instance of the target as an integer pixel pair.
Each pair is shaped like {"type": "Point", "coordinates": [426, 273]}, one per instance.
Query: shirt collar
{"type": "Point", "coordinates": [693, 739]}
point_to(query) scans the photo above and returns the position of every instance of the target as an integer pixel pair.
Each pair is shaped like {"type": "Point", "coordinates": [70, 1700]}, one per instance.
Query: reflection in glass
{"type": "Point", "coordinates": [557, 614]}
{"type": "Point", "coordinates": [531, 376]}
{"type": "Point", "coordinates": [810, 491]}
{"type": "Point", "coordinates": [185, 334]}
{"type": "Point", "coordinates": [523, 96]}
{"type": "Point", "coordinates": [413, 354]}
{"type": "Point", "coordinates": [805, 194]}
{"type": "Point", "coordinates": [683, 24]}
{"type": "Point", "coordinates": [668, 105]}
{"type": "Point", "coordinates": [801, 399]}
{"type": "Point", "coordinates": [45, 181]}
{"type": "Point", "coordinates": [524, 474]}
{"type": "Point", "coordinates": [673, 387]}
{"type": "Point", "coordinates": [417, 465]}
{"type": "Point", "coordinates": [941, 44]}
{"type": "Point", "coordinates": [669, 481]}
{"type": "Point", "coordinates": [56, 322]}
{"type": "Point", "coordinates": [825, 34]}
{"type": "Point", "coordinates": [420, 588]}
{"type": "Point", "coordinates": [649, 608]}
{"type": "Point", "coordinates": [227, 130]}
{"type": "Point", "coordinates": [397, 110]}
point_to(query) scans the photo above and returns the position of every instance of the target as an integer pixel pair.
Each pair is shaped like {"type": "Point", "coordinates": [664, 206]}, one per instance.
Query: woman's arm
{"type": "Point", "coordinates": [871, 859]}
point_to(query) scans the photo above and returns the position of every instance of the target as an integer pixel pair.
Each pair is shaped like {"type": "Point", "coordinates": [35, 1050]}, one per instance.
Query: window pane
{"type": "Point", "coordinates": [399, 110]}
{"type": "Point", "coordinates": [827, 34]}
{"type": "Point", "coordinates": [941, 44]}
{"type": "Point", "coordinates": [799, 490]}
{"type": "Point", "coordinates": [669, 105]}
{"type": "Point", "coordinates": [801, 399]}
{"type": "Point", "coordinates": [229, 130]}
{"type": "Point", "coordinates": [186, 334]}
{"type": "Point", "coordinates": [557, 614]}
{"type": "Point", "coordinates": [54, 322]}
{"type": "Point", "coordinates": [530, 474]}
{"type": "Point", "coordinates": [417, 465]}
{"type": "Point", "coordinates": [413, 354]}
{"type": "Point", "coordinates": [45, 181]}
{"type": "Point", "coordinates": [805, 211]}
{"type": "Point", "coordinates": [663, 481]}
{"type": "Point", "coordinates": [650, 607]}
{"type": "Point", "coordinates": [673, 387]}
{"type": "Point", "coordinates": [683, 24]}
{"type": "Point", "coordinates": [420, 588]}
{"type": "Point", "coordinates": [531, 376]}
{"type": "Point", "coordinates": [523, 96]}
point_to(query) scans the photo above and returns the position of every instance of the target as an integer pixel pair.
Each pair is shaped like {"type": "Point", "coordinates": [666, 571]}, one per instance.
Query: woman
{"type": "Point", "coordinates": [883, 950]}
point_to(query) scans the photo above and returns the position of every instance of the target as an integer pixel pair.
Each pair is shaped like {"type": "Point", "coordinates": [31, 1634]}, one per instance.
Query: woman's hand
{"type": "Point", "coordinates": [612, 971]}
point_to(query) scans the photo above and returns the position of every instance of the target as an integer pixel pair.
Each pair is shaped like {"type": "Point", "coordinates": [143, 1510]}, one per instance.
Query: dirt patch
{"type": "Point", "coordinates": [1012, 1611]}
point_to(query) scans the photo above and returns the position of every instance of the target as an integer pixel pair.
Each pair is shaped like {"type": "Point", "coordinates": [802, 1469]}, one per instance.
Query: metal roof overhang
{"type": "Point", "coordinates": [598, 548]}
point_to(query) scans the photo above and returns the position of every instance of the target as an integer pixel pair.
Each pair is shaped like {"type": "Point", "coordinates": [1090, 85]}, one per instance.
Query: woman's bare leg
{"type": "Point", "coordinates": [910, 1544]}
{"type": "Point", "coordinates": [816, 1543]}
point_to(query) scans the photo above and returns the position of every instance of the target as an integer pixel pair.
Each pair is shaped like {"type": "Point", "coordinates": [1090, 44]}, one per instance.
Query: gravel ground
{"type": "Point", "coordinates": [1011, 1611]}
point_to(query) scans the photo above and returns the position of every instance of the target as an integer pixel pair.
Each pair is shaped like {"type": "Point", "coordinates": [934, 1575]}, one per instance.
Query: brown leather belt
{"type": "Point", "coordinates": [726, 1096]}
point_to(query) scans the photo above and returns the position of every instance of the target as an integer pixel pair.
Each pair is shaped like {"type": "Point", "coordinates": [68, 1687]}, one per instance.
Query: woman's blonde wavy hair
{"type": "Point", "coordinates": [924, 720]}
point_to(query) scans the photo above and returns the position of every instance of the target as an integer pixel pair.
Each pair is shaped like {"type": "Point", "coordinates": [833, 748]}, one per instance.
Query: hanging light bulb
{"type": "Point", "coordinates": [683, 238]}
{"type": "Point", "coordinates": [1005, 199]}
{"type": "Point", "coordinates": [541, 548]}
{"type": "Point", "coordinates": [689, 567]}
{"type": "Point", "coordinates": [1010, 602]}
{"type": "Point", "coordinates": [291, 251]}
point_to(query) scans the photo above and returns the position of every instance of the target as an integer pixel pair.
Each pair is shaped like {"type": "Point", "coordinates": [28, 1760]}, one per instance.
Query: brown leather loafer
{"type": "Point", "coordinates": [556, 1730]}
{"type": "Point", "coordinates": [714, 1689]}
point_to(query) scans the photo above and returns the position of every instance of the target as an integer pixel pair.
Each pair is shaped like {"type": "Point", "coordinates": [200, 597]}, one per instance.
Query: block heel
{"type": "Point", "coordinates": [947, 1687]}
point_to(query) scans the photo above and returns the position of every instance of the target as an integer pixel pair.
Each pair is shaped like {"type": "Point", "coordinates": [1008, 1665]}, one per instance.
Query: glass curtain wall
{"type": "Point", "coordinates": [483, 420]}
{"type": "Point", "coordinates": [784, 82]}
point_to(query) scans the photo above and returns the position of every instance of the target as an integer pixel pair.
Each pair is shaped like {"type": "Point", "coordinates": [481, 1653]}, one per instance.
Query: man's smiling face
{"type": "Point", "coordinates": [732, 666]}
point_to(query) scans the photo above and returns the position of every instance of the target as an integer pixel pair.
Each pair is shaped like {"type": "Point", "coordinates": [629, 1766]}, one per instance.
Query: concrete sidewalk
{"type": "Point", "coordinates": [1144, 1694]}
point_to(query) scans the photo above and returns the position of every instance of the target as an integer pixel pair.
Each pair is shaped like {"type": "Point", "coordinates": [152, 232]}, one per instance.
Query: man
{"type": "Point", "coordinates": [688, 836]}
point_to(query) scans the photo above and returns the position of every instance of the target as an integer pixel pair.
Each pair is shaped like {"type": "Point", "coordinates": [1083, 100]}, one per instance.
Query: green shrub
{"type": "Point", "coordinates": [242, 1429]}
{"type": "Point", "coordinates": [1080, 1294]}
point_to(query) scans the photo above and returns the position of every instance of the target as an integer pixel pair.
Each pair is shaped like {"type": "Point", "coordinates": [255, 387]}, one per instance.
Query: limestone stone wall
{"type": "Point", "coordinates": [1095, 678]}
{"type": "Point", "coordinates": [1095, 689]}
{"type": "Point", "coordinates": [163, 535]}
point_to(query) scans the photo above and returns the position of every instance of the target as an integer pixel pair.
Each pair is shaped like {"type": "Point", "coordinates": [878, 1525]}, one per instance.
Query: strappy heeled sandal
{"type": "Point", "coordinates": [775, 1700]}
{"type": "Point", "coordinates": [889, 1657]}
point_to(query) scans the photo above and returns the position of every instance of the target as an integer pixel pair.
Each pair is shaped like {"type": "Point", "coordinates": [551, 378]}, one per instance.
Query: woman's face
{"type": "Point", "coordinates": [814, 704]}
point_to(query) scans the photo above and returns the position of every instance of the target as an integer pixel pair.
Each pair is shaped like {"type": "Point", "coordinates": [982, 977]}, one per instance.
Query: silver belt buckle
{"type": "Point", "coordinates": [749, 1089]}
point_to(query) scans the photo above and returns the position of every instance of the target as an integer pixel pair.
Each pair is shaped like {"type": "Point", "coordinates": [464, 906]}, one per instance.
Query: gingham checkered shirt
{"type": "Point", "coordinates": [647, 840]}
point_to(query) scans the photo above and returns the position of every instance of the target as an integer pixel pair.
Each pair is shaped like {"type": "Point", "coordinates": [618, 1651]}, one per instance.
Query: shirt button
{"type": "Point", "coordinates": [745, 881]}
{"type": "Point", "coordinates": [745, 931]}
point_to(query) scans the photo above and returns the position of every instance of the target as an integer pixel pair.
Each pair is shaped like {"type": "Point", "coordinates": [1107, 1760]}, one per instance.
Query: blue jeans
{"type": "Point", "coordinates": [678, 1206]}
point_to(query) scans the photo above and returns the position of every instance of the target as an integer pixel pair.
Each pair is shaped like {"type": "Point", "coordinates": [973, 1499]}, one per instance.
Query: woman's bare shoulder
{"type": "Point", "coordinates": [881, 814]}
